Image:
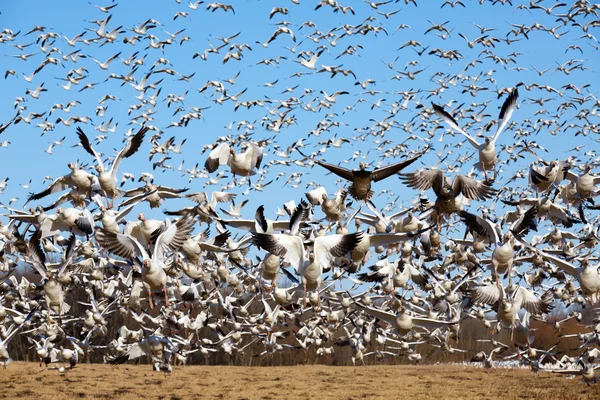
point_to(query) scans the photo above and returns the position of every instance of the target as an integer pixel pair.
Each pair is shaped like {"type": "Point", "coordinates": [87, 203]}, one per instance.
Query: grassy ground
{"type": "Point", "coordinates": [27, 380]}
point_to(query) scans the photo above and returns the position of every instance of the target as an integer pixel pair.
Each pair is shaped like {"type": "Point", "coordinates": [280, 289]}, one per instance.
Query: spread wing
{"type": "Point", "coordinates": [487, 294]}
{"type": "Point", "coordinates": [218, 156]}
{"type": "Point", "coordinates": [174, 235]}
{"type": "Point", "coordinates": [119, 244]}
{"type": "Point", "coordinates": [424, 179]}
{"type": "Point", "coordinates": [529, 301]}
{"type": "Point", "coordinates": [454, 125]}
{"type": "Point", "coordinates": [87, 146]}
{"type": "Point", "coordinates": [130, 149]}
{"type": "Point", "coordinates": [506, 112]}
{"type": "Point", "coordinates": [289, 248]}
{"type": "Point", "coordinates": [339, 171]}
{"type": "Point", "coordinates": [382, 173]}
{"type": "Point", "coordinates": [328, 247]}
{"type": "Point", "coordinates": [472, 189]}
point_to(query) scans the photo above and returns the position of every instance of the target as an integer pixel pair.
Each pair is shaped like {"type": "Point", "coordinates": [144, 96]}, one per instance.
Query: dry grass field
{"type": "Point", "coordinates": [27, 380]}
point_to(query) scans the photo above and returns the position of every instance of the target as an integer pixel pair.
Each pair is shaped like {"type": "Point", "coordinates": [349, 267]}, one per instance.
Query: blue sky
{"type": "Point", "coordinates": [25, 158]}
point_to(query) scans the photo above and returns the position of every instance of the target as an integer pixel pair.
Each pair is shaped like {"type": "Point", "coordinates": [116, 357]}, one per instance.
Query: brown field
{"type": "Point", "coordinates": [26, 380]}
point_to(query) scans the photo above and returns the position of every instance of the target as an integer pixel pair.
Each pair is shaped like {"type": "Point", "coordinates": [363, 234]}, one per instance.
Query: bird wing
{"type": "Point", "coordinates": [37, 255]}
{"type": "Point", "coordinates": [87, 146]}
{"type": "Point", "coordinates": [487, 294]}
{"type": "Point", "coordinates": [384, 239]}
{"type": "Point", "coordinates": [482, 226]}
{"type": "Point", "coordinates": [60, 184]}
{"type": "Point", "coordinates": [122, 245]}
{"type": "Point", "coordinates": [222, 197]}
{"type": "Point", "coordinates": [290, 248]}
{"type": "Point", "coordinates": [339, 171]}
{"type": "Point", "coordinates": [69, 254]}
{"type": "Point", "coordinates": [454, 125]}
{"type": "Point", "coordinates": [256, 152]}
{"type": "Point", "coordinates": [560, 263]}
{"type": "Point", "coordinates": [130, 149]}
{"type": "Point", "coordinates": [424, 179]}
{"type": "Point", "coordinates": [382, 173]}
{"type": "Point", "coordinates": [86, 222]}
{"type": "Point", "coordinates": [315, 196]}
{"type": "Point", "coordinates": [506, 112]}
{"type": "Point", "coordinates": [218, 156]}
{"type": "Point", "coordinates": [328, 247]}
{"type": "Point", "coordinates": [173, 237]}
{"type": "Point", "coordinates": [529, 301]}
{"type": "Point", "coordinates": [377, 313]}
{"type": "Point", "coordinates": [471, 189]}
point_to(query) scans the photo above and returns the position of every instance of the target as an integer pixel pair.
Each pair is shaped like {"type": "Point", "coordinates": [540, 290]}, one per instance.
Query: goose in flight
{"type": "Point", "coordinates": [78, 178]}
{"type": "Point", "coordinates": [310, 266]}
{"type": "Point", "coordinates": [488, 159]}
{"type": "Point", "coordinates": [108, 178]}
{"type": "Point", "coordinates": [586, 274]}
{"type": "Point", "coordinates": [403, 321]}
{"type": "Point", "coordinates": [53, 290]}
{"type": "Point", "coordinates": [361, 178]}
{"type": "Point", "coordinates": [170, 237]}
{"type": "Point", "coordinates": [448, 190]}
{"type": "Point", "coordinates": [508, 307]}
{"type": "Point", "coordinates": [242, 164]}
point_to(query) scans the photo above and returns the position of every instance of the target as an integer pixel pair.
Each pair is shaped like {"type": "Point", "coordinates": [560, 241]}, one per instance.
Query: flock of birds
{"type": "Point", "coordinates": [337, 266]}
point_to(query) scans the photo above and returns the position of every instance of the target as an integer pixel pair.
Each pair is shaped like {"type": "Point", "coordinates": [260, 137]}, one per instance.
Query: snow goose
{"type": "Point", "coordinates": [10, 334]}
{"type": "Point", "coordinates": [53, 290]}
{"type": "Point", "coordinates": [77, 178]}
{"type": "Point", "coordinates": [151, 193]}
{"type": "Point", "coordinates": [80, 222]}
{"type": "Point", "coordinates": [447, 190]}
{"type": "Point", "coordinates": [487, 151]}
{"type": "Point", "coordinates": [404, 321]}
{"type": "Point", "coordinates": [508, 307]}
{"type": "Point", "coordinates": [170, 237]}
{"type": "Point", "coordinates": [258, 224]}
{"type": "Point", "coordinates": [108, 178]}
{"type": "Point", "coordinates": [587, 274]}
{"type": "Point", "coordinates": [361, 178]}
{"type": "Point", "coordinates": [290, 248]}
{"type": "Point", "coordinates": [502, 256]}
{"type": "Point", "coordinates": [242, 164]}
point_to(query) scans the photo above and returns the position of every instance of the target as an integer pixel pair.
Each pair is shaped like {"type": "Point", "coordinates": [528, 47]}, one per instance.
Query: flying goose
{"type": "Point", "coordinates": [170, 238]}
{"type": "Point", "coordinates": [108, 178]}
{"type": "Point", "coordinates": [488, 159]}
{"type": "Point", "coordinates": [309, 266]}
{"type": "Point", "coordinates": [508, 307]}
{"type": "Point", "coordinates": [361, 178]}
{"type": "Point", "coordinates": [448, 190]}
{"type": "Point", "coordinates": [242, 164]}
{"type": "Point", "coordinates": [53, 291]}
{"type": "Point", "coordinates": [77, 178]}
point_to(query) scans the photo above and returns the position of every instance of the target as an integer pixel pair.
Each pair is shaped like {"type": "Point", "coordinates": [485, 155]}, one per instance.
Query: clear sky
{"type": "Point", "coordinates": [25, 159]}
